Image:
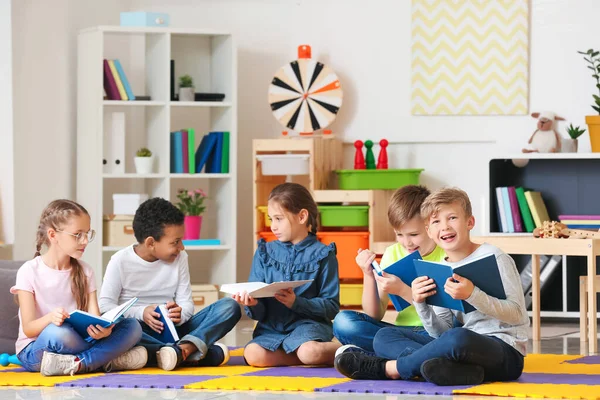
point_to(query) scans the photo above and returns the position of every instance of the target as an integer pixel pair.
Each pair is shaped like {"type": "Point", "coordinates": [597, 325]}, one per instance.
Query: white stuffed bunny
{"type": "Point", "coordinates": [545, 139]}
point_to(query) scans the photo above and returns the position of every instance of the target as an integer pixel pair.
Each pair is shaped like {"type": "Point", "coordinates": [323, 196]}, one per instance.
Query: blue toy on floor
{"type": "Point", "coordinates": [5, 359]}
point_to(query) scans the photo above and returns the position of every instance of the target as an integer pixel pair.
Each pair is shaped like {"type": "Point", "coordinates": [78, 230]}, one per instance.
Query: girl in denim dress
{"type": "Point", "coordinates": [294, 327]}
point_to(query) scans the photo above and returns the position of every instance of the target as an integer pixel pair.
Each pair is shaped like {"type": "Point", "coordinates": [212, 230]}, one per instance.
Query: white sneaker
{"type": "Point", "coordinates": [351, 348]}
{"type": "Point", "coordinates": [59, 364]}
{"type": "Point", "coordinates": [169, 357]}
{"type": "Point", "coordinates": [134, 358]}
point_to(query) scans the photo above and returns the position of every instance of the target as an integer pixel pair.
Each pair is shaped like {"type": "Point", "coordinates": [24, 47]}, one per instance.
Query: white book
{"type": "Point", "coordinates": [260, 290]}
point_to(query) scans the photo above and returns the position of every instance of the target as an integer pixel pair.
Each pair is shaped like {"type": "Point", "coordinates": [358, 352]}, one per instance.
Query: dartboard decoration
{"type": "Point", "coordinates": [305, 95]}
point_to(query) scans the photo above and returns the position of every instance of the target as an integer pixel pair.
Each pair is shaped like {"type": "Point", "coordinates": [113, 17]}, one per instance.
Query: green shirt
{"type": "Point", "coordinates": [408, 316]}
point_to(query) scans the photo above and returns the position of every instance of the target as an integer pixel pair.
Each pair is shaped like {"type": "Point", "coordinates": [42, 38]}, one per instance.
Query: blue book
{"type": "Point", "coordinates": [201, 242]}
{"type": "Point", "coordinates": [178, 152]}
{"type": "Point", "coordinates": [169, 333]}
{"type": "Point", "coordinates": [405, 270]}
{"type": "Point", "coordinates": [124, 80]}
{"type": "Point", "coordinates": [483, 272]}
{"type": "Point", "coordinates": [81, 320]}
{"type": "Point", "coordinates": [204, 150]}
{"type": "Point", "coordinates": [507, 210]}
{"type": "Point", "coordinates": [213, 165]}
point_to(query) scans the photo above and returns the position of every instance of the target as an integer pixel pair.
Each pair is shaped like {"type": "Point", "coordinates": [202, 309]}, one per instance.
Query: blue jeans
{"type": "Point", "coordinates": [203, 329]}
{"type": "Point", "coordinates": [65, 340]}
{"type": "Point", "coordinates": [500, 361]}
{"type": "Point", "coordinates": [359, 329]}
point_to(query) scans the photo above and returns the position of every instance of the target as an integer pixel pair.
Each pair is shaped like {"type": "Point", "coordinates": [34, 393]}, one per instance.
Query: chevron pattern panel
{"type": "Point", "coordinates": [469, 57]}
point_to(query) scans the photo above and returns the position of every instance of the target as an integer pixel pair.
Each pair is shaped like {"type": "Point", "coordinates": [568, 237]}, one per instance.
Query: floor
{"type": "Point", "coordinates": [557, 338]}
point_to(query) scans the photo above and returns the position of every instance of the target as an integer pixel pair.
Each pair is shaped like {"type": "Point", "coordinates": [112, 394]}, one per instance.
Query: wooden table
{"type": "Point", "coordinates": [589, 248]}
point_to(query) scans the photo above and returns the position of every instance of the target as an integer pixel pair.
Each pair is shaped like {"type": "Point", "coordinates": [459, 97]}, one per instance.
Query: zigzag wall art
{"type": "Point", "coordinates": [469, 57]}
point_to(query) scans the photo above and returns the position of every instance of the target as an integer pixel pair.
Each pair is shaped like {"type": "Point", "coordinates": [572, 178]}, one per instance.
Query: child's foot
{"type": "Point", "coordinates": [59, 364]}
{"type": "Point", "coordinates": [358, 365]}
{"type": "Point", "coordinates": [350, 348]}
{"type": "Point", "coordinates": [444, 372]}
{"type": "Point", "coordinates": [134, 358]}
{"type": "Point", "coordinates": [169, 357]}
{"type": "Point", "coordinates": [217, 354]}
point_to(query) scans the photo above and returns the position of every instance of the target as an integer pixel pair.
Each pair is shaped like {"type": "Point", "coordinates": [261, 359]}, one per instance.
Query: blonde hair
{"type": "Point", "coordinates": [405, 204]}
{"type": "Point", "coordinates": [446, 196]}
{"type": "Point", "coordinates": [55, 215]}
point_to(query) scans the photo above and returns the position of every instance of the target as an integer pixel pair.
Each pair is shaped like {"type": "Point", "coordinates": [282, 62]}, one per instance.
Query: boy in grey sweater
{"type": "Point", "coordinates": [490, 345]}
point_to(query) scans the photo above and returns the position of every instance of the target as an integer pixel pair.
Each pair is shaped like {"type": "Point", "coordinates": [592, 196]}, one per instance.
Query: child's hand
{"type": "Point", "coordinates": [422, 287]}
{"type": "Point", "coordinates": [174, 312]}
{"type": "Point", "coordinates": [364, 260]}
{"type": "Point", "coordinates": [58, 316]}
{"type": "Point", "coordinates": [245, 299]}
{"type": "Point", "coordinates": [459, 290]}
{"type": "Point", "coordinates": [151, 318]}
{"type": "Point", "coordinates": [287, 297]}
{"type": "Point", "coordinates": [97, 332]}
{"type": "Point", "coordinates": [390, 283]}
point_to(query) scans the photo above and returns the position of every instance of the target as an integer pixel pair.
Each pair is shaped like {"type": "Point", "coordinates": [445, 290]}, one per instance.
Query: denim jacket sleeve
{"type": "Point", "coordinates": [327, 304]}
{"type": "Point", "coordinates": [259, 311]}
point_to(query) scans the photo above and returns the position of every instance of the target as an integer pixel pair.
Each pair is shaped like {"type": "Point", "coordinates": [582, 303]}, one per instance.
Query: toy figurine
{"type": "Point", "coordinates": [545, 139]}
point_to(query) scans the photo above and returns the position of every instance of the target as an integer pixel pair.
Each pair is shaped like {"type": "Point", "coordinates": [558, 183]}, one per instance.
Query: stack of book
{"type": "Point", "coordinates": [212, 154]}
{"type": "Point", "coordinates": [519, 209]}
{"type": "Point", "coordinates": [591, 222]}
{"type": "Point", "coordinates": [116, 84]}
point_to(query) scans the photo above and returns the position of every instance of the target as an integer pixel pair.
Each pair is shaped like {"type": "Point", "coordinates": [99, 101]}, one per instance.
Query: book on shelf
{"type": "Point", "coordinates": [403, 269]}
{"type": "Point", "coordinates": [204, 150]}
{"type": "Point", "coordinates": [124, 80]}
{"type": "Point", "coordinates": [81, 320]}
{"type": "Point", "coordinates": [502, 224]}
{"type": "Point", "coordinates": [514, 209]}
{"type": "Point", "coordinates": [201, 242]}
{"type": "Point", "coordinates": [169, 333]}
{"type": "Point", "coordinates": [507, 210]}
{"type": "Point", "coordinates": [225, 156]}
{"type": "Point", "coordinates": [483, 272]}
{"type": "Point", "coordinates": [213, 164]}
{"type": "Point", "coordinates": [260, 290]}
{"type": "Point", "coordinates": [191, 151]}
{"type": "Point", "coordinates": [110, 86]}
{"type": "Point", "coordinates": [113, 70]}
{"type": "Point", "coordinates": [184, 151]}
{"type": "Point", "coordinates": [525, 211]}
{"type": "Point", "coordinates": [142, 98]}
{"type": "Point", "coordinates": [537, 207]}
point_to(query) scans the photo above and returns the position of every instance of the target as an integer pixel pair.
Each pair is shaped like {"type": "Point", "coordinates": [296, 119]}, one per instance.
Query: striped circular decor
{"type": "Point", "coordinates": [305, 95]}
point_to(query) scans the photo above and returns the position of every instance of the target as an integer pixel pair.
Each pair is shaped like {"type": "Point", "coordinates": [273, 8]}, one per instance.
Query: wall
{"type": "Point", "coordinates": [45, 103]}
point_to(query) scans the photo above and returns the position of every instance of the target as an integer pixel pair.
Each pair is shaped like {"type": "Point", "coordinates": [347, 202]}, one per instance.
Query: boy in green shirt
{"type": "Point", "coordinates": [356, 329]}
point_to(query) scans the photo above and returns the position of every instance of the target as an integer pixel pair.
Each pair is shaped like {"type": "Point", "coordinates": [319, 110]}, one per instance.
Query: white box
{"type": "Point", "coordinates": [127, 203]}
{"type": "Point", "coordinates": [203, 296]}
{"type": "Point", "coordinates": [284, 164]}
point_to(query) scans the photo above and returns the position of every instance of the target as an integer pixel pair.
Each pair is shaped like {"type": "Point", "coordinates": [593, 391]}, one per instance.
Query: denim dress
{"type": "Point", "coordinates": [316, 304]}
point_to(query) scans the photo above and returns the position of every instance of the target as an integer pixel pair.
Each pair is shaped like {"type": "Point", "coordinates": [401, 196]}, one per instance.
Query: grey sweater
{"type": "Point", "coordinates": [505, 319]}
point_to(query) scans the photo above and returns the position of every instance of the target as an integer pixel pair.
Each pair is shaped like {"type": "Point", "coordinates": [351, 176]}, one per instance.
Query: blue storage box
{"type": "Point", "coordinates": [141, 18]}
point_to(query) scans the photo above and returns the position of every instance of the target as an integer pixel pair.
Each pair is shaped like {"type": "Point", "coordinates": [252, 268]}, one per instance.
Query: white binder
{"type": "Point", "coordinates": [113, 159]}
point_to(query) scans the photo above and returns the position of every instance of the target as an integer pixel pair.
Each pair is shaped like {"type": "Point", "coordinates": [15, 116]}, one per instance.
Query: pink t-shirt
{"type": "Point", "coordinates": [51, 289]}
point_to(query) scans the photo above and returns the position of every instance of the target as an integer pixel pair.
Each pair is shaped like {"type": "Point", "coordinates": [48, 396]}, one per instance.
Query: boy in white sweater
{"type": "Point", "coordinates": [156, 271]}
{"type": "Point", "coordinates": [490, 345]}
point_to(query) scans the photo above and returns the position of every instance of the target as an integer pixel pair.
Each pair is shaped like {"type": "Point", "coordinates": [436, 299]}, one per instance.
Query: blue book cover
{"type": "Point", "coordinates": [201, 242]}
{"type": "Point", "coordinates": [178, 152]}
{"type": "Point", "coordinates": [405, 270]}
{"type": "Point", "coordinates": [507, 210]}
{"type": "Point", "coordinates": [172, 153]}
{"type": "Point", "coordinates": [124, 80]}
{"type": "Point", "coordinates": [483, 272]}
{"type": "Point", "coordinates": [204, 150]}
{"type": "Point", "coordinates": [81, 320]}
{"type": "Point", "coordinates": [169, 333]}
{"type": "Point", "coordinates": [213, 165]}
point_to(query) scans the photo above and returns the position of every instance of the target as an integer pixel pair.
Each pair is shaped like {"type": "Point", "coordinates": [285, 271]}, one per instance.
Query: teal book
{"type": "Point", "coordinates": [206, 147]}
{"type": "Point", "coordinates": [124, 80]}
{"type": "Point", "coordinates": [483, 272]}
{"type": "Point", "coordinates": [169, 333]}
{"type": "Point", "coordinates": [201, 242]}
{"type": "Point", "coordinates": [405, 270]}
{"type": "Point", "coordinates": [81, 320]}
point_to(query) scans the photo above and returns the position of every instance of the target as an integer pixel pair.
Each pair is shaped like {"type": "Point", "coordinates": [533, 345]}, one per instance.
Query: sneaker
{"type": "Point", "coordinates": [217, 355]}
{"type": "Point", "coordinates": [169, 357]}
{"type": "Point", "coordinates": [352, 348]}
{"type": "Point", "coordinates": [134, 358]}
{"type": "Point", "coordinates": [444, 372]}
{"type": "Point", "coordinates": [59, 364]}
{"type": "Point", "coordinates": [357, 365]}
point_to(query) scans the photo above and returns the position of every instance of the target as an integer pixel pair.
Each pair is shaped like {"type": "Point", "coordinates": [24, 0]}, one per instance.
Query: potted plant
{"type": "Point", "coordinates": [143, 161]}
{"type": "Point", "coordinates": [570, 145]}
{"type": "Point", "coordinates": [186, 88]}
{"type": "Point", "coordinates": [592, 57]}
{"type": "Point", "coordinates": [191, 204]}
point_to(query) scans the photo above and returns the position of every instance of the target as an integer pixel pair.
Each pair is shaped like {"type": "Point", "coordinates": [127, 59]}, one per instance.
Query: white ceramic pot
{"type": "Point", "coordinates": [143, 165]}
{"type": "Point", "coordinates": [186, 94]}
{"type": "Point", "coordinates": [569, 145]}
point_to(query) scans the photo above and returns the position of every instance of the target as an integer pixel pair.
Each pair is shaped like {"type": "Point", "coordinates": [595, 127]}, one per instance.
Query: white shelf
{"type": "Point", "coordinates": [145, 29]}
{"type": "Point", "coordinates": [514, 234]}
{"type": "Point", "coordinates": [200, 103]}
{"type": "Point", "coordinates": [201, 175]}
{"type": "Point", "coordinates": [133, 103]}
{"type": "Point", "coordinates": [132, 175]}
{"type": "Point", "coordinates": [549, 156]}
{"type": "Point", "coordinates": [111, 249]}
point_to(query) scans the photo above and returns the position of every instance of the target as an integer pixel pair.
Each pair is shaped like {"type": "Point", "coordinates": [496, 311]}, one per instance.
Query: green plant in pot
{"type": "Point", "coordinates": [570, 145]}
{"type": "Point", "coordinates": [186, 88]}
{"type": "Point", "coordinates": [144, 160]}
{"type": "Point", "coordinates": [592, 58]}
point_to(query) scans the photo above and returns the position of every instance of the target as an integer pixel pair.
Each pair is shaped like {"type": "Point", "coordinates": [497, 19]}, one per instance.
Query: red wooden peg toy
{"type": "Point", "coordinates": [359, 158]}
{"type": "Point", "coordinates": [382, 160]}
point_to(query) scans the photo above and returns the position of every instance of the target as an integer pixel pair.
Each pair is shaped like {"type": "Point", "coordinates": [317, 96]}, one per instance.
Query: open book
{"type": "Point", "coordinates": [80, 320]}
{"type": "Point", "coordinates": [483, 272]}
{"type": "Point", "coordinates": [403, 269]}
{"type": "Point", "coordinates": [169, 333]}
{"type": "Point", "coordinates": [260, 290]}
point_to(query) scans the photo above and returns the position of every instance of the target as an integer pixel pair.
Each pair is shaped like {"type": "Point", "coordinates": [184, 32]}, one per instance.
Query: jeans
{"type": "Point", "coordinates": [65, 340]}
{"type": "Point", "coordinates": [203, 329]}
{"type": "Point", "coordinates": [359, 329]}
{"type": "Point", "coordinates": [500, 361]}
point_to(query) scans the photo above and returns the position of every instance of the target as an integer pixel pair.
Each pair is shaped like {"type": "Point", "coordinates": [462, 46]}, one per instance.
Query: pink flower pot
{"type": "Point", "coordinates": [192, 223]}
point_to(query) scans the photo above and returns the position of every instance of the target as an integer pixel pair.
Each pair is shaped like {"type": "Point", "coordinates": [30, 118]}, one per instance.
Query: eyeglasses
{"type": "Point", "coordinates": [80, 237]}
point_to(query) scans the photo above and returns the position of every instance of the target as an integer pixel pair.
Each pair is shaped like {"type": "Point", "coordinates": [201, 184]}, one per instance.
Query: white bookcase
{"type": "Point", "coordinates": [145, 54]}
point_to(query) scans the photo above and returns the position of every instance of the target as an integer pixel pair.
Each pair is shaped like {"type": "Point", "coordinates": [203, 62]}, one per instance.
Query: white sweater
{"type": "Point", "coordinates": [128, 275]}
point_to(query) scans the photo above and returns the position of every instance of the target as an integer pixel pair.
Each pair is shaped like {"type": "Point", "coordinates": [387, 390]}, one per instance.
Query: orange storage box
{"type": "Point", "coordinates": [347, 244]}
{"type": "Point", "coordinates": [268, 236]}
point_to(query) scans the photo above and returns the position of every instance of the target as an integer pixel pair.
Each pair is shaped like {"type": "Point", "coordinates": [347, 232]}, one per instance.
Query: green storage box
{"type": "Point", "coordinates": [344, 215]}
{"type": "Point", "coordinates": [371, 179]}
